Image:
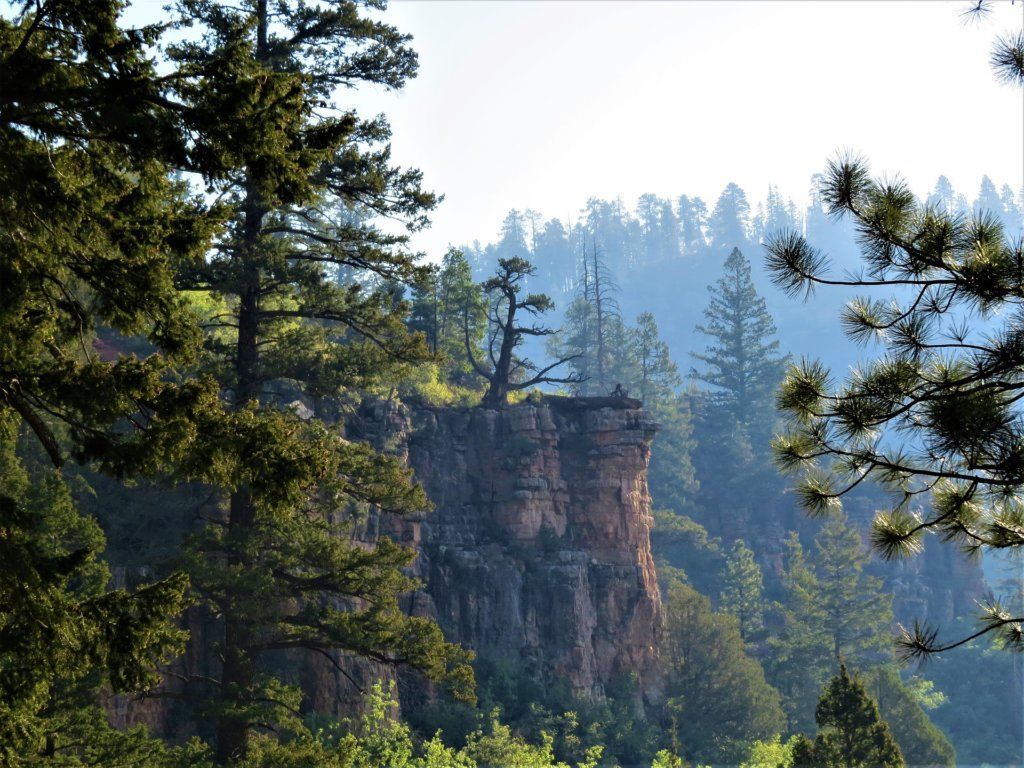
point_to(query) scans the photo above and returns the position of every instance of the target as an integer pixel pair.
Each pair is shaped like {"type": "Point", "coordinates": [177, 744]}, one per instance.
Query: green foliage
{"type": "Point", "coordinates": [742, 364]}
{"type": "Point", "coordinates": [63, 634]}
{"type": "Point", "coordinates": [852, 733]}
{"type": "Point", "coordinates": [936, 410]}
{"type": "Point", "coordinates": [772, 753]}
{"type": "Point", "coordinates": [718, 695]}
{"type": "Point", "coordinates": [742, 589]}
{"type": "Point", "coordinates": [508, 371]}
{"type": "Point", "coordinates": [920, 741]}
{"type": "Point", "coordinates": [448, 308]}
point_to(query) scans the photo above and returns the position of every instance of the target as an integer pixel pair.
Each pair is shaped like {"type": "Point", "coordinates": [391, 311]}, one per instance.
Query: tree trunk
{"type": "Point", "coordinates": [237, 673]}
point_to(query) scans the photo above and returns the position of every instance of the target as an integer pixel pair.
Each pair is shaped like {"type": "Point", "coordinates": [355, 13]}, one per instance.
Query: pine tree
{"type": "Point", "coordinates": [936, 413]}
{"type": "Point", "coordinates": [729, 224]}
{"type": "Point", "coordinates": [508, 371]}
{"type": "Point", "coordinates": [95, 230]}
{"type": "Point", "coordinates": [919, 740]}
{"type": "Point", "coordinates": [852, 733]}
{"type": "Point", "coordinates": [692, 217]}
{"type": "Point", "coordinates": [309, 291]}
{"type": "Point", "coordinates": [742, 364]}
{"type": "Point", "coordinates": [800, 653]}
{"type": "Point", "coordinates": [742, 589]}
{"type": "Point", "coordinates": [656, 373]}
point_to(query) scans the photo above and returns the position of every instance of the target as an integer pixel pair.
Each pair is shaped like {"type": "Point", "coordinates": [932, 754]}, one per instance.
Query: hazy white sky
{"type": "Point", "coordinates": [542, 104]}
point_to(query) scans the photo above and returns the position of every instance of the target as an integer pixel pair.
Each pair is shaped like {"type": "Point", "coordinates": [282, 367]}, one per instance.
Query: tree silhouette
{"type": "Point", "coordinates": [509, 372]}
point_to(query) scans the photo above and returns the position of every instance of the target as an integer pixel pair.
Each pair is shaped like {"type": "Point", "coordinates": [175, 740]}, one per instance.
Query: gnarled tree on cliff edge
{"type": "Point", "coordinates": [508, 371]}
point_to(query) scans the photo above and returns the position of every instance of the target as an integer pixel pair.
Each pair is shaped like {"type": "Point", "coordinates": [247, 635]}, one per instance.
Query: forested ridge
{"type": "Point", "coordinates": [211, 331]}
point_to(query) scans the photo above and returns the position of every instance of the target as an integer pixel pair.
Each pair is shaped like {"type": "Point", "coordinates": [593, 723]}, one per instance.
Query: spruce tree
{"type": "Point", "coordinates": [742, 363]}
{"type": "Point", "coordinates": [308, 291]}
{"type": "Point", "coordinates": [852, 733]}
{"type": "Point", "coordinates": [742, 589]}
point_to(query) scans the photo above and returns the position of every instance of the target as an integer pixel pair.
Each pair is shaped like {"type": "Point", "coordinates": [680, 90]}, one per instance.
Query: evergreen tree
{"type": "Point", "coordinates": [729, 224]}
{"type": "Point", "coordinates": [742, 589]}
{"type": "Point", "coordinates": [439, 304]}
{"type": "Point", "coordinates": [94, 231]}
{"type": "Point", "coordinates": [858, 613]}
{"type": "Point", "coordinates": [717, 693]}
{"type": "Point", "coordinates": [671, 475]}
{"type": "Point", "coordinates": [919, 740]}
{"type": "Point", "coordinates": [742, 364]}
{"type": "Point", "coordinates": [800, 653]}
{"type": "Point", "coordinates": [852, 733]}
{"type": "Point", "coordinates": [692, 216]}
{"type": "Point", "coordinates": [946, 198]}
{"type": "Point", "coordinates": [937, 412]}
{"type": "Point", "coordinates": [280, 567]}
{"type": "Point", "coordinates": [656, 373]}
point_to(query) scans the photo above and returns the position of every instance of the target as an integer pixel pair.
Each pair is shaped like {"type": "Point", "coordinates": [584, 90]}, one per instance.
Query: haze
{"type": "Point", "coordinates": [544, 104]}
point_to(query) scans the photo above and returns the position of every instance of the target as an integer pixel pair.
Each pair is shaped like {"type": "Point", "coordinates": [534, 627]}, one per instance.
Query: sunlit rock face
{"type": "Point", "coordinates": [538, 549]}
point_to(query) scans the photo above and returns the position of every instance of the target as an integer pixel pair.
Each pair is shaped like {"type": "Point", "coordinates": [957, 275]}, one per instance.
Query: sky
{"type": "Point", "coordinates": [543, 104]}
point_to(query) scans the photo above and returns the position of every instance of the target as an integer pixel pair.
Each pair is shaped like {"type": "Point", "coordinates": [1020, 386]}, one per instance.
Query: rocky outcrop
{"type": "Point", "coordinates": [538, 548]}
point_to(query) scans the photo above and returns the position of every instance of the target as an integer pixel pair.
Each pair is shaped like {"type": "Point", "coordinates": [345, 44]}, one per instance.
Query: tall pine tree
{"type": "Point", "coordinates": [310, 301]}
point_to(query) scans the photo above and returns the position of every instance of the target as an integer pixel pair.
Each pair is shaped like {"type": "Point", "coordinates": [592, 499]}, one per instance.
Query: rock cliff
{"type": "Point", "coordinates": [539, 546]}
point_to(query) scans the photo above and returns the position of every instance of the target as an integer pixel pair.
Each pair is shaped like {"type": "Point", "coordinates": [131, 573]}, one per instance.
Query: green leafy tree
{"type": "Point", "coordinates": [717, 693]}
{"type": "Point", "coordinates": [852, 733]}
{"type": "Point", "coordinates": [742, 589]}
{"type": "Point", "coordinates": [935, 415]}
{"type": "Point", "coordinates": [310, 300]}
{"type": "Point", "coordinates": [508, 371]}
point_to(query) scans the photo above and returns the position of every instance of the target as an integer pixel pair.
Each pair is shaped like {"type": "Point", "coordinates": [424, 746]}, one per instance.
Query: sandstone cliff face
{"type": "Point", "coordinates": [538, 549]}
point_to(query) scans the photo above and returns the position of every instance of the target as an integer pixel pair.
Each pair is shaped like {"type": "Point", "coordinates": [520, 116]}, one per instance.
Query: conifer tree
{"type": "Point", "coordinates": [852, 733]}
{"type": "Point", "coordinates": [309, 293]}
{"type": "Point", "coordinates": [717, 692]}
{"type": "Point", "coordinates": [657, 377]}
{"type": "Point", "coordinates": [509, 372]}
{"type": "Point", "coordinates": [729, 223]}
{"type": "Point", "coordinates": [935, 415]}
{"type": "Point", "coordinates": [437, 311]}
{"type": "Point", "coordinates": [94, 231]}
{"type": "Point", "coordinates": [857, 612]}
{"type": "Point", "coordinates": [742, 364]}
{"type": "Point", "coordinates": [800, 653]}
{"type": "Point", "coordinates": [742, 589]}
